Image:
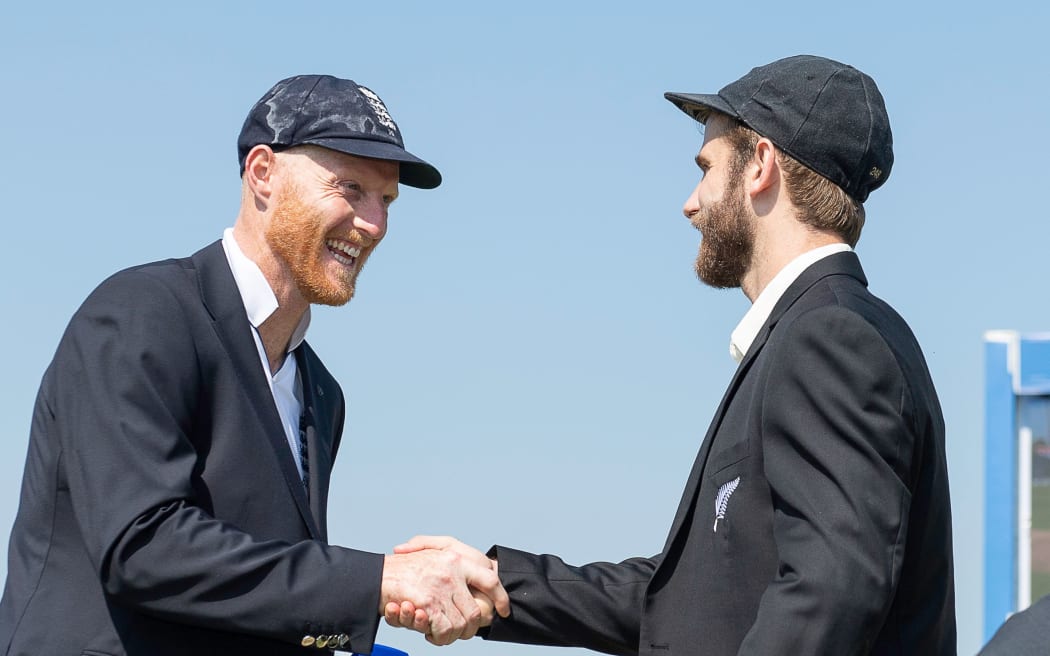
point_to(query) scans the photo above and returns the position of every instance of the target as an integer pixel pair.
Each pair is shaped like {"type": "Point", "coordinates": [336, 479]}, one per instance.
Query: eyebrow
{"type": "Point", "coordinates": [702, 161]}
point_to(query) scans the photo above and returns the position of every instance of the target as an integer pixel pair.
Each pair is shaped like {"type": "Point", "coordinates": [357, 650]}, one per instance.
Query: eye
{"type": "Point", "coordinates": [389, 199]}
{"type": "Point", "coordinates": [350, 188]}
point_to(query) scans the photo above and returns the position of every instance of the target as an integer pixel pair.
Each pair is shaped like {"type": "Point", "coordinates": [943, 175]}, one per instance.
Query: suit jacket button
{"type": "Point", "coordinates": [307, 641]}
{"type": "Point", "coordinates": [322, 642]}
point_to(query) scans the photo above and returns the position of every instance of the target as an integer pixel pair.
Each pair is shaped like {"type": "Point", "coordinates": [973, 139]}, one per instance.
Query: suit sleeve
{"type": "Point", "coordinates": [838, 442]}
{"type": "Point", "coordinates": [596, 606]}
{"type": "Point", "coordinates": [124, 391]}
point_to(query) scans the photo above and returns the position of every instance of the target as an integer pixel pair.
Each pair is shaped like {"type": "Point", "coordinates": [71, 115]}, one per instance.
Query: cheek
{"type": "Point", "coordinates": [709, 192]}
{"type": "Point", "coordinates": [331, 215]}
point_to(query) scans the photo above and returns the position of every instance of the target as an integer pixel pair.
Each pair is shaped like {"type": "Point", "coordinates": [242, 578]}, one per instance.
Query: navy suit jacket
{"type": "Point", "coordinates": [815, 519]}
{"type": "Point", "coordinates": [161, 511]}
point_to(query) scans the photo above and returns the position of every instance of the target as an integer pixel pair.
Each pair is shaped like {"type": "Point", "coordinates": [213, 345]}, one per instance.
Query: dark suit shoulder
{"type": "Point", "coordinates": [832, 345]}
{"type": "Point", "coordinates": [144, 314]}
{"type": "Point", "coordinates": [867, 346]}
{"type": "Point", "coordinates": [827, 315]}
{"type": "Point", "coordinates": [851, 294]}
{"type": "Point", "coordinates": [156, 298]}
{"type": "Point", "coordinates": [144, 278]}
{"type": "Point", "coordinates": [846, 291]}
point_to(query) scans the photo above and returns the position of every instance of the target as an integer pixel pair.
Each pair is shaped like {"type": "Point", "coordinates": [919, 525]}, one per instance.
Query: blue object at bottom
{"type": "Point", "coordinates": [383, 650]}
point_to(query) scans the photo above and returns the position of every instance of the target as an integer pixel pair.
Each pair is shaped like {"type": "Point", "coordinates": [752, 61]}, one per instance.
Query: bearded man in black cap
{"type": "Point", "coordinates": [816, 518]}
{"type": "Point", "coordinates": [175, 492]}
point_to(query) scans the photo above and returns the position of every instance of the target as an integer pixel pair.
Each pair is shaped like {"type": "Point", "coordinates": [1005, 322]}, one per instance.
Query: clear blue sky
{"type": "Point", "coordinates": [530, 360]}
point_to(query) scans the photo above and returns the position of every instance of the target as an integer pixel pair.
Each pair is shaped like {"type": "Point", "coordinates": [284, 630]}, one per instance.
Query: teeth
{"type": "Point", "coordinates": [344, 247]}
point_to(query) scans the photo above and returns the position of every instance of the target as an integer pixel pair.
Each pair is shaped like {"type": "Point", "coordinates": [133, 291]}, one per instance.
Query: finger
{"type": "Point", "coordinates": [487, 581]}
{"type": "Point", "coordinates": [503, 612]}
{"type": "Point", "coordinates": [469, 632]}
{"type": "Point", "coordinates": [484, 605]}
{"type": "Point", "coordinates": [443, 630]}
{"type": "Point", "coordinates": [420, 542]}
{"type": "Point", "coordinates": [408, 614]}
{"type": "Point", "coordinates": [422, 621]}
{"type": "Point", "coordinates": [410, 617]}
{"type": "Point", "coordinates": [463, 614]}
{"type": "Point", "coordinates": [392, 615]}
{"type": "Point", "coordinates": [466, 605]}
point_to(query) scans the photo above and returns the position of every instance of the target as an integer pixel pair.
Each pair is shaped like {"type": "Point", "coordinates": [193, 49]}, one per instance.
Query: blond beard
{"type": "Point", "coordinates": [297, 236]}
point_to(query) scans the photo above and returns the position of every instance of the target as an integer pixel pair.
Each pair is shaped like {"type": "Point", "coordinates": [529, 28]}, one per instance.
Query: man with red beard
{"type": "Point", "coordinates": [175, 491]}
{"type": "Point", "coordinates": [816, 518]}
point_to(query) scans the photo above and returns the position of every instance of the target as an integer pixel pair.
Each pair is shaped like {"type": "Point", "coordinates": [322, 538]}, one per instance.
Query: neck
{"type": "Point", "coordinates": [775, 251]}
{"type": "Point", "coordinates": [276, 332]}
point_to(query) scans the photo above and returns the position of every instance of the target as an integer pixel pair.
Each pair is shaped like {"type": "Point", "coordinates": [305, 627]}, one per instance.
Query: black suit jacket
{"type": "Point", "coordinates": [161, 510]}
{"type": "Point", "coordinates": [825, 469]}
{"type": "Point", "coordinates": [1026, 633]}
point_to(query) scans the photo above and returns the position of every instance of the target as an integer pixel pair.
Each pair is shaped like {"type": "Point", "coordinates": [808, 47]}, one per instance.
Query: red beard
{"type": "Point", "coordinates": [297, 236]}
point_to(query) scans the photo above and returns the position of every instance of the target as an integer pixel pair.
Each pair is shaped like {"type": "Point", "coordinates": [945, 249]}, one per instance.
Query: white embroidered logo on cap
{"type": "Point", "coordinates": [380, 109]}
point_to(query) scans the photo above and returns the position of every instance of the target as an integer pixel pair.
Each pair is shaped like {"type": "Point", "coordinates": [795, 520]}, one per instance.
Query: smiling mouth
{"type": "Point", "coordinates": [343, 252]}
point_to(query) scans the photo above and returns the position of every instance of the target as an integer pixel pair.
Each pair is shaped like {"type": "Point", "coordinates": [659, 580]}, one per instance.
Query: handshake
{"type": "Point", "coordinates": [442, 588]}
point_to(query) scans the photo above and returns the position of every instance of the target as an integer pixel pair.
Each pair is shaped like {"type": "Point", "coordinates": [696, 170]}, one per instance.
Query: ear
{"type": "Point", "coordinates": [764, 172]}
{"type": "Point", "coordinates": [258, 173]}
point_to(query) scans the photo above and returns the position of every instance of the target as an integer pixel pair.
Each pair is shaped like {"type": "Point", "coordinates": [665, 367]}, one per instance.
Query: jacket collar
{"type": "Point", "coordinates": [744, 333]}
{"type": "Point", "coordinates": [222, 300]}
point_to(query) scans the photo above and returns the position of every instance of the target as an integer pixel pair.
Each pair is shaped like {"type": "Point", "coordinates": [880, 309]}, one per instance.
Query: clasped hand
{"type": "Point", "coordinates": [442, 588]}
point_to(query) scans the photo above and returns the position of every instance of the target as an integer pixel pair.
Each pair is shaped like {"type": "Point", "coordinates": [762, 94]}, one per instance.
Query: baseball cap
{"type": "Point", "coordinates": [827, 115]}
{"type": "Point", "coordinates": [333, 113]}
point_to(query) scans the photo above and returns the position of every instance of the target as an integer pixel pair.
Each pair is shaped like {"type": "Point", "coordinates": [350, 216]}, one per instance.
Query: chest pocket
{"type": "Point", "coordinates": [722, 459]}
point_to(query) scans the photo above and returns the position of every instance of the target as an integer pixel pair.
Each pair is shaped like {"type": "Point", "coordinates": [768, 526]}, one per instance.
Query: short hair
{"type": "Point", "coordinates": [820, 202]}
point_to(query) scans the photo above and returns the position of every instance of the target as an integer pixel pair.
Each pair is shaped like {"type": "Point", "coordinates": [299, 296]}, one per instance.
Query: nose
{"type": "Point", "coordinates": [370, 217]}
{"type": "Point", "coordinates": [692, 203]}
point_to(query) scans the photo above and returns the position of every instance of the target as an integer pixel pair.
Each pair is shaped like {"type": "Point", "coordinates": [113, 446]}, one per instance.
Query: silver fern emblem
{"type": "Point", "coordinates": [722, 500]}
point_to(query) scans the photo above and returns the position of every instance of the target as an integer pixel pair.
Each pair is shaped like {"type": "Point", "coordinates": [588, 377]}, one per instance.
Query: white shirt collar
{"type": "Point", "coordinates": [746, 331]}
{"type": "Point", "coordinates": [256, 293]}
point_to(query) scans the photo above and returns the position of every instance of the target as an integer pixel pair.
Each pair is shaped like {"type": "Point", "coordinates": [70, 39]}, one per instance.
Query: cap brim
{"type": "Point", "coordinates": [414, 172]}
{"type": "Point", "coordinates": [700, 105]}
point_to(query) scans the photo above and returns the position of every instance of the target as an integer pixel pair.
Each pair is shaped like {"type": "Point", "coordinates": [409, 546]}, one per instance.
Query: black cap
{"type": "Point", "coordinates": [338, 114]}
{"type": "Point", "coordinates": [827, 115]}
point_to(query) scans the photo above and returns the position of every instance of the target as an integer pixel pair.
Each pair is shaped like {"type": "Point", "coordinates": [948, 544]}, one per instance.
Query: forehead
{"type": "Point", "coordinates": [716, 126]}
{"type": "Point", "coordinates": [714, 148]}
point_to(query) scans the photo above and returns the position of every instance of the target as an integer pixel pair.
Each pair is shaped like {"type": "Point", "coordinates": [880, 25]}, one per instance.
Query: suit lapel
{"type": "Point", "coordinates": [686, 505]}
{"type": "Point", "coordinates": [223, 301]}
{"type": "Point", "coordinates": [845, 263]}
{"type": "Point", "coordinates": [318, 437]}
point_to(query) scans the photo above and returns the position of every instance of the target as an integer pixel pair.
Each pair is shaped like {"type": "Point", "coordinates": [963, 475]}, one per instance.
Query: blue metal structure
{"type": "Point", "coordinates": [1017, 371]}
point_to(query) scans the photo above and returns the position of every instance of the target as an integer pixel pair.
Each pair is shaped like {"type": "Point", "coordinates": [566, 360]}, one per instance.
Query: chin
{"type": "Point", "coordinates": [335, 299]}
{"type": "Point", "coordinates": [330, 293]}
